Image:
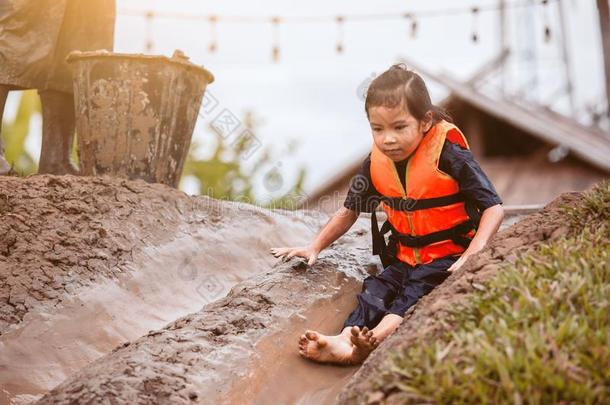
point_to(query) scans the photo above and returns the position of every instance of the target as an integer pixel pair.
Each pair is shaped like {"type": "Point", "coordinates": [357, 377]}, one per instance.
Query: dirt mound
{"type": "Point", "coordinates": [60, 233]}
{"type": "Point", "coordinates": [424, 319]}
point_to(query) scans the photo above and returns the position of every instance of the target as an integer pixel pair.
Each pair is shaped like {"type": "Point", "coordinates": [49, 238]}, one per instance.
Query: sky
{"type": "Point", "coordinates": [311, 95]}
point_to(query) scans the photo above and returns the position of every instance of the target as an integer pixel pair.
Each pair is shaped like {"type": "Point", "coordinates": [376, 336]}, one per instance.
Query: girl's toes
{"type": "Point", "coordinates": [311, 335]}
{"type": "Point", "coordinates": [355, 331]}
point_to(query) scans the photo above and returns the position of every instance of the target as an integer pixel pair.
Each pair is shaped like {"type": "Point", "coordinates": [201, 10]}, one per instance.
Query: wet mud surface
{"type": "Point", "coordinates": [423, 320]}
{"type": "Point", "coordinates": [222, 353]}
{"type": "Point", "coordinates": [88, 264]}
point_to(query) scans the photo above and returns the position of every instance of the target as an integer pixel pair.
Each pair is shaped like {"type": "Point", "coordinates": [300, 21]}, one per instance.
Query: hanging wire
{"type": "Point", "coordinates": [414, 27]}
{"type": "Point", "coordinates": [322, 19]}
{"type": "Point", "coordinates": [413, 18]}
{"type": "Point", "coordinates": [412, 24]}
{"type": "Point", "coordinates": [213, 45]}
{"type": "Point", "coordinates": [149, 45]}
{"type": "Point", "coordinates": [275, 26]}
{"type": "Point", "coordinates": [340, 33]}
{"type": "Point", "coordinates": [475, 25]}
{"type": "Point", "coordinates": [545, 18]}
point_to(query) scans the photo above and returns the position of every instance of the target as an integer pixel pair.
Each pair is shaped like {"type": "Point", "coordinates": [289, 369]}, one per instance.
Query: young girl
{"type": "Point", "coordinates": [441, 208]}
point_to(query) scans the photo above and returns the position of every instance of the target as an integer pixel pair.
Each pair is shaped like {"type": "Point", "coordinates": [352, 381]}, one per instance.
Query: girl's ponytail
{"type": "Point", "coordinates": [440, 114]}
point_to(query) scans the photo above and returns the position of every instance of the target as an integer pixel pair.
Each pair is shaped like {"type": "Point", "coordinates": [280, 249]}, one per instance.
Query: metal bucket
{"type": "Point", "coordinates": [135, 114]}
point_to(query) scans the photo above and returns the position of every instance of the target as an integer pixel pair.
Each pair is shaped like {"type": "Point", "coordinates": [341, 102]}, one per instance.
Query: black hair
{"type": "Point", "coordinates": [401, 86]}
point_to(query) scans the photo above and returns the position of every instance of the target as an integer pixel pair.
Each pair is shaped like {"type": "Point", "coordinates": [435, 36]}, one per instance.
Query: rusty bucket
{"type": "Point", "coordinates": [135, 114]}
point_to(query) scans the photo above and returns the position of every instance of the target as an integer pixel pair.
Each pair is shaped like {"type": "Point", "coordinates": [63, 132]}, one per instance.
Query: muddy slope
{"type": "Point", "coordinates": [423, 319]}
{"type": "Point", "coordinates": [87, 264]}
{"type": "Point", "coordinates": [60, 233]}
{"type": "Point", "coordinates": [217, 353]}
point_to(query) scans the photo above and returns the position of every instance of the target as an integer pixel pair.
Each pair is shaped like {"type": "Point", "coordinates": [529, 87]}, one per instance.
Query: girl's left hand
{"type": "Point", "coordinates": [475, 247]}
{"type": "Point", "coordinates": [307, 252]}
{"type": "Point", "coordinates": [455, 266]}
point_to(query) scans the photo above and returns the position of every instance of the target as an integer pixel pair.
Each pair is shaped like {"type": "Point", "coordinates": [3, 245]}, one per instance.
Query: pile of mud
{"type": "Point", "coordinates": [87, 264]}
{"type": "Point", "coordinates": [60, 233]}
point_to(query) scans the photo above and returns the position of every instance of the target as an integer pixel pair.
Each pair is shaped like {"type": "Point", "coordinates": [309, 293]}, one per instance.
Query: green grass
{"type": "Point", "coordinates": [538, 334]}
{"type": "Point", "coordinates": [595, 208]}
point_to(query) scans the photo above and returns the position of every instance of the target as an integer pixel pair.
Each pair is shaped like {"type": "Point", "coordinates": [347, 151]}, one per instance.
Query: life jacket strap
{"type": "Point", "coordinates": [457, 234]}
{"type": "Point", "coordinates": [410, 204]}
{"type": "Point", "coordinates": [386, 252]}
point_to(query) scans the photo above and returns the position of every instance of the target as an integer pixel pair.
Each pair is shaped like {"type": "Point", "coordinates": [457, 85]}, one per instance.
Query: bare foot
{"type": "Point", "coordinates": [364, 343]}
{"type": "Point", "coordinates": [326, 349]}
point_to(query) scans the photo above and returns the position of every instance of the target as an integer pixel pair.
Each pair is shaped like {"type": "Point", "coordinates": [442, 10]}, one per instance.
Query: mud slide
{"type": "Point", "coordinates": [87, 264]}
{"type": "Point", "coordinates": [240, 348]}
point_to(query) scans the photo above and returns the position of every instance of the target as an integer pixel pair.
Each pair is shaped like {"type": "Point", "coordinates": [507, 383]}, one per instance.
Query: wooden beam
{"type": "Point", "coordinates": [504, 49]}
{"type": "Point", "coordinates": [567, 65]}
{"type": "Point", "coordinates": [604, 24]}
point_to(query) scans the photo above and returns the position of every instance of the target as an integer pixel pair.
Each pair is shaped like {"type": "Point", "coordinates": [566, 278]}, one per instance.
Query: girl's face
{"type": "Point", "coordinates": [396, 132]}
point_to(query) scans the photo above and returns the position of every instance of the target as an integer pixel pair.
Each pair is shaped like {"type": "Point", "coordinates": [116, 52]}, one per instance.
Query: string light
{"type": "Point", "coordinates": [275, 51]}
{"type": "Point", "coordinates": [412, 18]}
{"type": "Point", "coordinates": [475, 25]}
{"type": "Point", "coordinates": [149, 45]}
{"type": "Point", "coordinates": [412, 25]}
{"type": "Point", "coordinates": [339, 20]}
{"type": "Point", "coordinates": [545, 17]}
{"type": "Point", "coordinates": [322, 19]}
{"type": "Point", "coordinates": [213, 46]}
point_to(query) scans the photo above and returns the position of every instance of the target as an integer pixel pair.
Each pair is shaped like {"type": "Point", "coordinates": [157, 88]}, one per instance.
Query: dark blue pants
{"type": "Point", "coordinates": [396, 289]}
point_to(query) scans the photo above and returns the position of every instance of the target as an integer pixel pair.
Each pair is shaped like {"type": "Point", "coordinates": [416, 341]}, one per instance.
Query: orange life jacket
{"type": "Point", "coordinates": [427, 218]}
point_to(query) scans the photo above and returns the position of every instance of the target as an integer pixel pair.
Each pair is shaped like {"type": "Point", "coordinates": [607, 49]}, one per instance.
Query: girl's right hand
{"type": "Point", "coordinates": [286, 253]}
